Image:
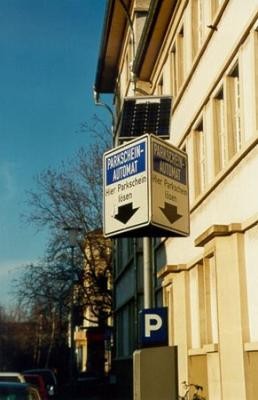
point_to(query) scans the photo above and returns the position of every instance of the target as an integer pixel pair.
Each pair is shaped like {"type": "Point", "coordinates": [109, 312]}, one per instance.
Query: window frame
{"type": "Point", "coordinates": [177, 62]}
{"type": "Point", "coordinates": [203, 305]}
{"type": "Point", "coordinates": [219, 130]}
{"type": "Point", "coordinates": [200, 157]}
{"type": "Point", "coordinates": [233, 110]}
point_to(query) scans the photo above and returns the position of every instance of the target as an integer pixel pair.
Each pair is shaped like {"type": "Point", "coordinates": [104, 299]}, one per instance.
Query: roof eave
{"type": "Point", "coordinates": [115, 23]}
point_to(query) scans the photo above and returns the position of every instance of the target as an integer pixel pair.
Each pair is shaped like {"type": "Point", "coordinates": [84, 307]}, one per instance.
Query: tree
{"type": "Point", "coordinates": [44, 292]}
{"type": "Point", "coordinates": [16, 339]}
{"type": "Point", "coordinates": [70, 196]}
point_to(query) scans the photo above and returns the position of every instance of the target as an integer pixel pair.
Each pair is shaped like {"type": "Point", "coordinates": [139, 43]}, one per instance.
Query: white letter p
{"type": "Point", "coordinates": [153, 322]}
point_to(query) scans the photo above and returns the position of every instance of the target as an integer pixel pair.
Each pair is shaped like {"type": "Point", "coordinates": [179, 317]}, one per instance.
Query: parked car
{"type": "Point", "coordinates": [11, 377]}
{"type": "Point", "coordinates": [18, 391]}
{"type": "Point", "coordinates": [48, 377]}
{"type": "Point", "coordinates": [38, 381]}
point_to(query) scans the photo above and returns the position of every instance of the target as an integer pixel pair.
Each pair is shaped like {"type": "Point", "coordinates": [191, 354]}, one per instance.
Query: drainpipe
{"type": "Point", "coordinates": [147, 272]}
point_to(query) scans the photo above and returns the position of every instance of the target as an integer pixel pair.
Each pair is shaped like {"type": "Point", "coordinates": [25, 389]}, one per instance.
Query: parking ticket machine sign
{"type": "Point", "coordinates": [145, 190]}
{"type": "Point", "coordinates": [154, 327]}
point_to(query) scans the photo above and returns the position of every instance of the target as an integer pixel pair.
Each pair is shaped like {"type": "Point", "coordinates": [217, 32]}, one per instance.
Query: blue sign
{"type": "Point", "coordinates": [126, 163]}
{"type": "Point", "coordinates": [154, 327]}
{"type": "Point", "coordinates": [169, 163]}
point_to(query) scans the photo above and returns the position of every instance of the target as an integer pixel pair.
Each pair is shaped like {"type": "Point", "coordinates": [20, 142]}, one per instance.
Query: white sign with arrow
{"type": "Point", "coordinates": [146, 189]}
{"type": "Point", "coordinates": [126, 187]}
{"type": "Point", "coordinates": [169, 187]}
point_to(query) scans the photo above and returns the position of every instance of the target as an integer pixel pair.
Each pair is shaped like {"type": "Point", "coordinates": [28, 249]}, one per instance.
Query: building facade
{"type": "Point", "coordinates": [203, 53]}
{"type": "Point", "coordinates": [92, 311]}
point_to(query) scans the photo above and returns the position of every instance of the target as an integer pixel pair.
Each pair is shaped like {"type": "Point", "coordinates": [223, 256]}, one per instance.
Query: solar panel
{"type": "Point", "coordinates": [148, 114]}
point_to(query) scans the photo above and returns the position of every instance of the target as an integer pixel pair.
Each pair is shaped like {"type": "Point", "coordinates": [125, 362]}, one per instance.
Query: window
{"type": "Point", "coordinates": [211, 299]}
{"type": "Point", "coordinates": [227, 122]}
{"type": "Point", "coordinates": [180, 57]}
{"type": "Point", "coordinates": [174, 84]}
{"type": "Point", "coordinates": [159, 260]}
{"type": "Point", "coordinates": [199, 159]}
{"type": "Point", "coordinates": [196, 305]}
{"type": "Point", "coordinates": [219, 133]}
{"type": "Point", "coordinates": [203, 303]}
{"type": "Point", "coordinates": [177, 63]}
{"type": "Point", "coordinates": [233, 111]}
{"type": "Point", "coordinates": [200, 19]}
{"type": "Point", "coordinates": [124, 253]}
{"type": "Point", "coordinates": [125, 334]}
{"type": "Point", "coordinates": [215, 5]}
{"type": "Point", "coordinates": [197, 10]}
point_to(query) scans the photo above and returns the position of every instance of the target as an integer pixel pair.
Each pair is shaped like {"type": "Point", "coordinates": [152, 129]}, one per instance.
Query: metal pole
{"type": "Point", "coordinates": [147, 272]}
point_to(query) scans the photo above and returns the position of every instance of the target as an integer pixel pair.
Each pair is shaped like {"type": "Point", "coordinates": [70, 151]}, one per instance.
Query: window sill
{"type": "Point", "coordinates": [206, 349]}
{"type": "Point", "coordinates": [251, 346]}
{"type": "Point", "coordinates": [196, 352]}
{"type": "Point", "coordinates": [211, 348]}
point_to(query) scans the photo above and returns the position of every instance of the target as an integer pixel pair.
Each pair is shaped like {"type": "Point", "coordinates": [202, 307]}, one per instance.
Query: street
{"type": "Point", "coordinates": [99, 392]}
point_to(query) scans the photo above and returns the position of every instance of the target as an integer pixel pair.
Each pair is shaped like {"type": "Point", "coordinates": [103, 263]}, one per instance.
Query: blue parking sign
{"type": "Point", "coordinates": [154, 327]}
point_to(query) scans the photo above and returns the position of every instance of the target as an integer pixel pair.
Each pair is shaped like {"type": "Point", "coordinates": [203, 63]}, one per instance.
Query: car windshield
{"type": "Point", "coordinates": [9, 378]}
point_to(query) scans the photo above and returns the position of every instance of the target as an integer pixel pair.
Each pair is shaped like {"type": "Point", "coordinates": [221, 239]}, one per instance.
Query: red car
{"type": "Point", "coordinates": [49, 379]}
{"type": "Point", "coordinates": [37, 381]}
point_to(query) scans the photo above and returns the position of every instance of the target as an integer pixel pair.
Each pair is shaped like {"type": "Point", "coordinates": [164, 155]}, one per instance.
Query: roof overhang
{"type": "Point", "coordinates": [115, 24]}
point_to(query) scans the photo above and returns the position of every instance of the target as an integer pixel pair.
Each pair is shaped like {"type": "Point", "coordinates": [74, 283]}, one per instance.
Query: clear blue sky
{"type": "Point", "coordinates": [48, 51]}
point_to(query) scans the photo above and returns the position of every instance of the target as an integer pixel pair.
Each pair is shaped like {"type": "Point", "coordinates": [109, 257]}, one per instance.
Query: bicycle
{"type": "Point", "coordinates": [195, 396]}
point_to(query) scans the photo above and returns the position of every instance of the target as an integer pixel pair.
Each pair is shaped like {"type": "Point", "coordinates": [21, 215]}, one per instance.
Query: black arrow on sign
{"type": "Point", "coordinates": [125, 212]}
{"type": "Point", "coordinates": [170, 212]}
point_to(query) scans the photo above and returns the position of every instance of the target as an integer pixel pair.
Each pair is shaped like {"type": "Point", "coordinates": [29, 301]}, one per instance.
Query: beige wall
{"type": "Point", "coordinates": [225, 363]}
{"type": "Point", "coordinates": [211, 287]}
